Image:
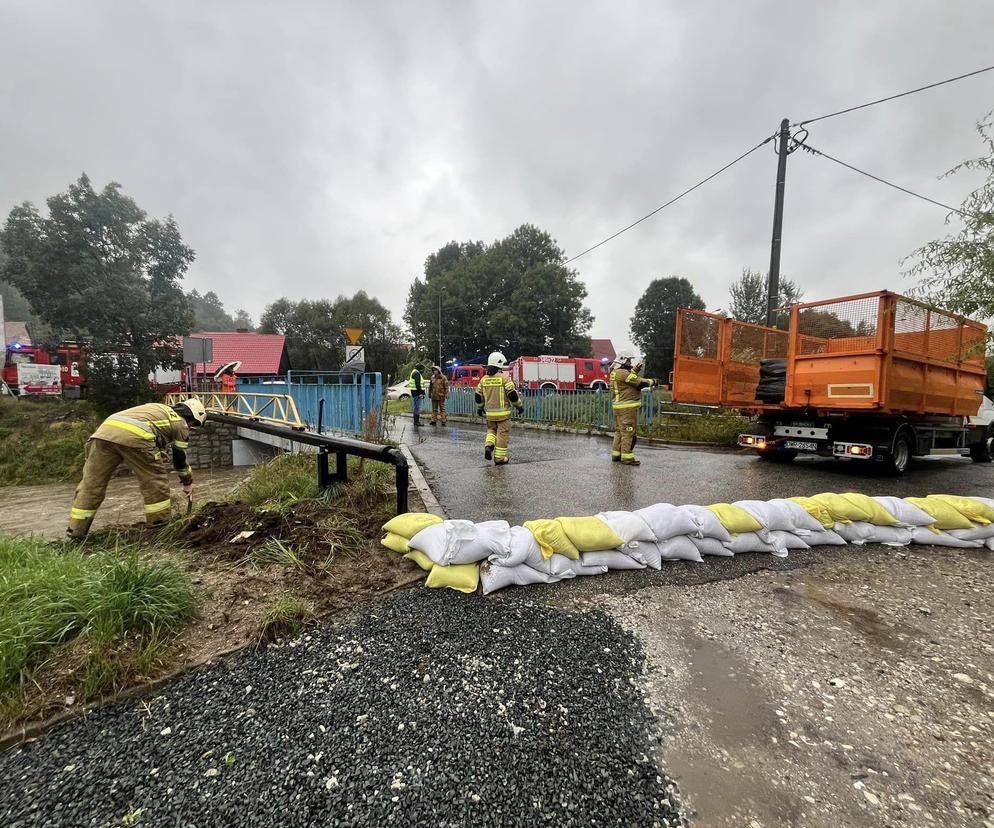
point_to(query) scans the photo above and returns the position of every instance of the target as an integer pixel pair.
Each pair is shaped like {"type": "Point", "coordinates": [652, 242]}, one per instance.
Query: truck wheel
{"type": "Point", "coordinates": [778, 455]}
{"type": "Point", "coordinates": [983, 452]}
{"type": "Point", "coordinates": [599, 386]}
{"type": "Point", "coordinates": [900, 455]}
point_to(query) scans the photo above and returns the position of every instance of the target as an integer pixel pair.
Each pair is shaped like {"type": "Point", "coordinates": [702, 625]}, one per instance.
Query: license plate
{"type": "Point", "coordinates": [801, 445]}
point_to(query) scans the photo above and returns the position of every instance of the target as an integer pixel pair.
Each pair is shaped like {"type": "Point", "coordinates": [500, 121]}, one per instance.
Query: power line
{"type": "Point", "coordinates": [893, 97]}
{"type": "Point", "coordinates": [671, 201]}
{"type": "Point", "coordinates": [811, 149]}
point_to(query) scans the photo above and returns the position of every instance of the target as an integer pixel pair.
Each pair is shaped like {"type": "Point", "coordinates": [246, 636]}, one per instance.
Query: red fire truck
{"type": "Point", "coordinates": [560, 373]}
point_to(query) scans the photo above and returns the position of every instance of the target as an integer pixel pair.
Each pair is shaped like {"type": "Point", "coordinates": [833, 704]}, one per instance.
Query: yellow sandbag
{"type": "Point", "coordinates": [734, 518]}
{"type": "Point", "coordinates": [968, 507]}
{"type": "Point", "coordinates": [878, 515]}
{"type": "Point", "coordinates": [946, 515]}
{"type": "Point", "coordinates": [841, 510]}
{"type": "Point", "coordinates": [421, 559]}
{"type": "Point", "coordinates": [590, 534]}
{"type": "Point", "coordinates": [396, 543]}
{"type": "Point", "coordinates": [815, 509]}
{"type": "Point", "coordinates": [408, 525]}
{"type": "Point", "coordinates": [552, 538]}
{"type": "Point", "coordinates": [462, 577]}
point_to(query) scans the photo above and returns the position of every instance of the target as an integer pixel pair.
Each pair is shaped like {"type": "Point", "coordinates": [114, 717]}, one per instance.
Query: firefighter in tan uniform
{"type": "Point", "coordinates": [438, 392]}
{"type": "Point", "coordinates": [137, 437]}
{"type": "Point", "coordinates": [495, 394]}
{"type": "Point", "coordinates": [626, 399]}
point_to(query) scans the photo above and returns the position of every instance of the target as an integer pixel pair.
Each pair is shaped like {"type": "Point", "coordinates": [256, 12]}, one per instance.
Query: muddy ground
{"type": "Point", "coordinates": [855, 692]}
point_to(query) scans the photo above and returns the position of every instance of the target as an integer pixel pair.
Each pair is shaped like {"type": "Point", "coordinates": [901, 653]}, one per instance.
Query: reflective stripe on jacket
{"type": "Point", "coordinates": [626, 388]}
{"type": "Point", "coordinates": [153, 424]}
{"type": "Point", "coordinates": [493, 391]}
{"type": "Point", "coordinates": [416, 382]}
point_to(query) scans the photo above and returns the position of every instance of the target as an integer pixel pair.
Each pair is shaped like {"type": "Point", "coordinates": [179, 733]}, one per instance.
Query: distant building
{"type": "Point", "coordinates": [602, 349]}
{"type": "Point", "coordinates": [16, 332]}
{"type": "Point", "coordinates": [261, 355]}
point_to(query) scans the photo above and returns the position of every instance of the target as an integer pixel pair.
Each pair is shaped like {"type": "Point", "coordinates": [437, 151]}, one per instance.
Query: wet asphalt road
{"type": "Point", "coordinates": [554, 474]}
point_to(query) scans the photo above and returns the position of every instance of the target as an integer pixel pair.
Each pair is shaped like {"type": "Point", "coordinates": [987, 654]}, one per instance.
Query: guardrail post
{"type": "Point", "coordinates": [324, 472]}
{"type": "Point", "coordinates": [341, 467]}
{"type": "Point", "coordinates": [403, 482]}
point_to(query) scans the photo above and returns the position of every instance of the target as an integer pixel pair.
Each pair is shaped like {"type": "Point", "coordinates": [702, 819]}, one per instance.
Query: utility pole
{"type": "Point", "coordinates": [773, 285]}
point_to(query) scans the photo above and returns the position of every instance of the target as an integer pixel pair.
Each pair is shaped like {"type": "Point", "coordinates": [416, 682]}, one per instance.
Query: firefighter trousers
{"type": "Point", "coordinates": [102, 459]}
{"type": "Point", "coordinates": [438, 411]}
{"type": "Point", "coordinates": [624, 433]}
{"type": "Point", "coordinates": [498, 434]}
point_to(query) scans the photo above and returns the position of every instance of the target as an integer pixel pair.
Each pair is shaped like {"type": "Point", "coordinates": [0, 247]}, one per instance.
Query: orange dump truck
{"type": "Point", "coordinates": [877, 377]}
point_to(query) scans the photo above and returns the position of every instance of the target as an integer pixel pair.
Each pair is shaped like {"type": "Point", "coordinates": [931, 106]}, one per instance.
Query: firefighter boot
{"type": "Point", "coordinates": [630, 461]}
{"type": "Point", "coordinates": [488, 451]}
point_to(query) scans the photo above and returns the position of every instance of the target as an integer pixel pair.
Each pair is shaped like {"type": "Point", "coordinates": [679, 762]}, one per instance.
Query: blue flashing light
{"type": "Point", "coordinates": [15, 346]}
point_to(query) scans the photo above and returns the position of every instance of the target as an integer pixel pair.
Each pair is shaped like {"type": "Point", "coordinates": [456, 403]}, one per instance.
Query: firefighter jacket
{"type": "Point", "coordinates": [153, 426]}
{"type": "Point", "coordinates": [495, 394]}
{"type": "Point", "coordinates": [626, 388]}
{"type": "Point", "coordinates": [438, 387]}
{"type": "Point", "coordinates": [416, 384]}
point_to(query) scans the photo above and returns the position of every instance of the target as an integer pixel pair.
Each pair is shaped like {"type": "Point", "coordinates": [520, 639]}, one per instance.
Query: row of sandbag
{"type": "Point", "coordinates": [461, 554]}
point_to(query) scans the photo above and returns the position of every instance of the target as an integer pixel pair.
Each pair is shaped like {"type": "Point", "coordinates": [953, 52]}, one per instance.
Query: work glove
{"type": "Point", "coordinates": [520, 408]}
{"type": "Point", "coordinates": [188, 489]}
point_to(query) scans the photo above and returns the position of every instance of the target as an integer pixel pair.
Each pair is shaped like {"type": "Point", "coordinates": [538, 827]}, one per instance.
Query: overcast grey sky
{"type": "Point", "coordinates": [309, 149]}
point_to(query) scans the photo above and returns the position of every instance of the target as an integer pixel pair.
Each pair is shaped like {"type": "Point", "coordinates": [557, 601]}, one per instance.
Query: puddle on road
{"type": "Point", "coordinates": [721, 768]}
{"type": "Point", "coordinates": [895, 637]}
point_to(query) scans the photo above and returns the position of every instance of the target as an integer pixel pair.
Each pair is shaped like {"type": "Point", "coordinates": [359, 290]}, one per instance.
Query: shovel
{"type": "Point", "coordinates": [189, 504]}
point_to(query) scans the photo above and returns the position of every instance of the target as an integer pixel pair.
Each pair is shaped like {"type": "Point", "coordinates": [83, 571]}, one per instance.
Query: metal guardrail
{"type": "Point", "coordinates": [271, 408]}
{"type": "Point", "coordinates": [327, 445]}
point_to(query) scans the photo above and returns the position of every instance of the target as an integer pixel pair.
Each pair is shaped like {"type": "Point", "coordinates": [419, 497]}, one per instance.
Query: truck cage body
{"type": "Point", "coordinates": [870, 353]}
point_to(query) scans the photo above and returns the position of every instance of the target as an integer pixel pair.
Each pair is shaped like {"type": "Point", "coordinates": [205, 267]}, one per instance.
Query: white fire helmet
{"type": "Point", "coordinates": [497, 360]}
{"type": "Point", "coordinates": [623, 357]}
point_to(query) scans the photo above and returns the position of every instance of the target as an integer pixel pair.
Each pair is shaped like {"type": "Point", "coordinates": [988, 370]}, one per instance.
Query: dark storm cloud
{"type": "Point", "coordinates": [309, 149]}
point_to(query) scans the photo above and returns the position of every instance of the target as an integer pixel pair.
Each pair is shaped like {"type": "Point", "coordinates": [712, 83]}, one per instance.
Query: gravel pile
{"type": "Point", "coordinates": [430, 708]}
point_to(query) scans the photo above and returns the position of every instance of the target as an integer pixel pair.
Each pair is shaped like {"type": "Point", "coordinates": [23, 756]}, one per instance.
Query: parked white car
{"type": "Point", "coordinates": [399, 391]}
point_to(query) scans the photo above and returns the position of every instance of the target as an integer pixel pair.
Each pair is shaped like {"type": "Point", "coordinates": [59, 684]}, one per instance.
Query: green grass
{"type": "Point", "coordinates": [285, 616]}
{"type": "Point", "coordinates": [279, 552]}
{"type": "Point", "coordinates": [50, 594]}
{"type": "Point", "coordinates": [43, 441]}
{"type": "Point", "coordinates": [395, 407]}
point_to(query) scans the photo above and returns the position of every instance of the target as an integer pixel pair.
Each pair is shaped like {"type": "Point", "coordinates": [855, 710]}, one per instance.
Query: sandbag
{"type": "Point", "coordinates": [907, 514]}
{"type": "Point", "coordinates": [668, 521]}
{"type": "Point", "coordinates": [611, 558]}
{"type": "Point", "coordinates": [860, 532]}
{"type": "Point", "coordinates": [708, 525]}
{"type": "Point", "coordinates": [816, 510]}
{"type": "Point", "coordinates": [800, 519]}
{"type": "Point", "coordinates": [713, 546]}
{"type": "Point", "coordinates": [945, 516]}
{"type": "Point", "coordinates": [646, 552]}
{"type": "Point", "coordinates": [978, 532]}
{"type": "Point", "coordinates": [788, 540]}
{"type": "Point", "coordinates": [878, 515]}
{"type": "Point", "coordinates": [590, 534]}
{"type": "Point", "coordinates": [421, 559]}
{"type": "Point", "coordinates": [395, 543]}
{"type": "Point", "coordinates": [552, 539]}
{"type": "Point", "coordinates": [771, 514]}
{"type": "Point", "coordinates": [628, 526]}
{"type": "Point", "coordinates": [494, 577]}
{"type": "Point", "coordinates": [457, 542]}
{"type": "Point", "coordinates": [523, 544]}
{"type": "Point", "coordinates": [750, 542]}
{"type": "Point", "coordinates": [989, 543]}
{"type": "Point", "coordinates": [673, 549]}
{"type": "Point", "coordinates": [409, 524]}
{"type": "Point", "coordinates": [561, 566]}
{"type": "Point", "coordinates": [926, 537]}
{"type": "Point", "coordinates": [826, 537]}
{"type": "Point", "coordinates": [735, 519]}
{"type": "Point", "coordinates": [462, 577]}
{"type": "Point", "coordinates": [976, 511]}
{"type": "Point", "coordinates": [841, 508]}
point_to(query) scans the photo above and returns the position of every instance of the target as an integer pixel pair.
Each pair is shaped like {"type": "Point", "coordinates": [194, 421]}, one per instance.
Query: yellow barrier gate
{"type": "Point", "coordinates": [267, 408]}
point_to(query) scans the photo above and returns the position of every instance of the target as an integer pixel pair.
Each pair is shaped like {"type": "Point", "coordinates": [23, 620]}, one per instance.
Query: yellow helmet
{"type": "Point", "coordinates": [194, 409]}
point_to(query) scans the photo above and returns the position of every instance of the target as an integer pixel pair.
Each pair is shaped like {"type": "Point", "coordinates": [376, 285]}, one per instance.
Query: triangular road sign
{"type": "Point", "coordinates": [353, 334]}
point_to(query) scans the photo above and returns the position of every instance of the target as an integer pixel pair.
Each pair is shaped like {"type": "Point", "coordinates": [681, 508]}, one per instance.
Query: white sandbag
{"type": "Point", "coordinates": [907, 514]}
{"type": "Point", "coordinates": [860, 532]}
{"type": "Point", "coordinates": [926, 537]}
{"type": "Point", "coordinates": [673, 549]}
{"type": "Point", "coordinates": [770, 514]}
{"type": "Point", "coordinates": [561, 566]}
{"type": "Point", "coordinates": [646, 552]}
{"type": "Point", "coordinates": [611, 558]}
{"type": "Point", "coordinates": [522, 545]}
{"type": "Point", "coordinates": [990, 541]}
{"type": "Point", "coordinates": [801, 520]}
{"type": "Point", "coordinates": [713, 546]}
{"type": "Point", "coordinates": [749, 542]}
{"type": "Point", "coordinates": [708, 523]}
{"type": "Point", "coordinates": [667, 521]}
{"type": "Point", "coordinates": [788, 540]}
{"type": "Point", "coordinates": [628, 526]}
{"type": "Point", "coordinates": [826, 537]}
{"type": "Point", "coordinates": [454, 542]}
{"type": "Point", "coordinates": [494, 577]}
{"type": "Point", "coordinates": [978, 532]}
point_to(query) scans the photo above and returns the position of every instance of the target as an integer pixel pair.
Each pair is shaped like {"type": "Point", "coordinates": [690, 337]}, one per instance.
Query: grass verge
{"type": "Point", "coordinates": [285, 616]}
{"type": "Point", "coordinates": [43, 441]}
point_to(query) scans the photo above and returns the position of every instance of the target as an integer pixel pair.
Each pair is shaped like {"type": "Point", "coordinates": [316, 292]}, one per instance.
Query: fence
{"type": "Point", "coordinates": [338, 402]}
{"type": "Point", "coordinates": [583, 408]}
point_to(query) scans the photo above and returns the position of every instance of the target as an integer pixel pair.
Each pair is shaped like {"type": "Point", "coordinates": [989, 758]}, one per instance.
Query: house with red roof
{"type": "Point", "coordinates": [261, 355]}
{"type": "Point", "coordinates": [602, 350]}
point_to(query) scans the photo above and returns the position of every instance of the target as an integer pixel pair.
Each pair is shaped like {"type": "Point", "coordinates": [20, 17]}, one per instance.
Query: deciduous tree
{"type": "Point", "coordinates": [653, 327]}
{"type": "Point", "coordinates": [748, 296]}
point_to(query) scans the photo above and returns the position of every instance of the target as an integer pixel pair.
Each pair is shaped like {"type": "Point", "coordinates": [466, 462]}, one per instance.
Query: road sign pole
{"type": "Point", "coordinates": [773, 284]}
